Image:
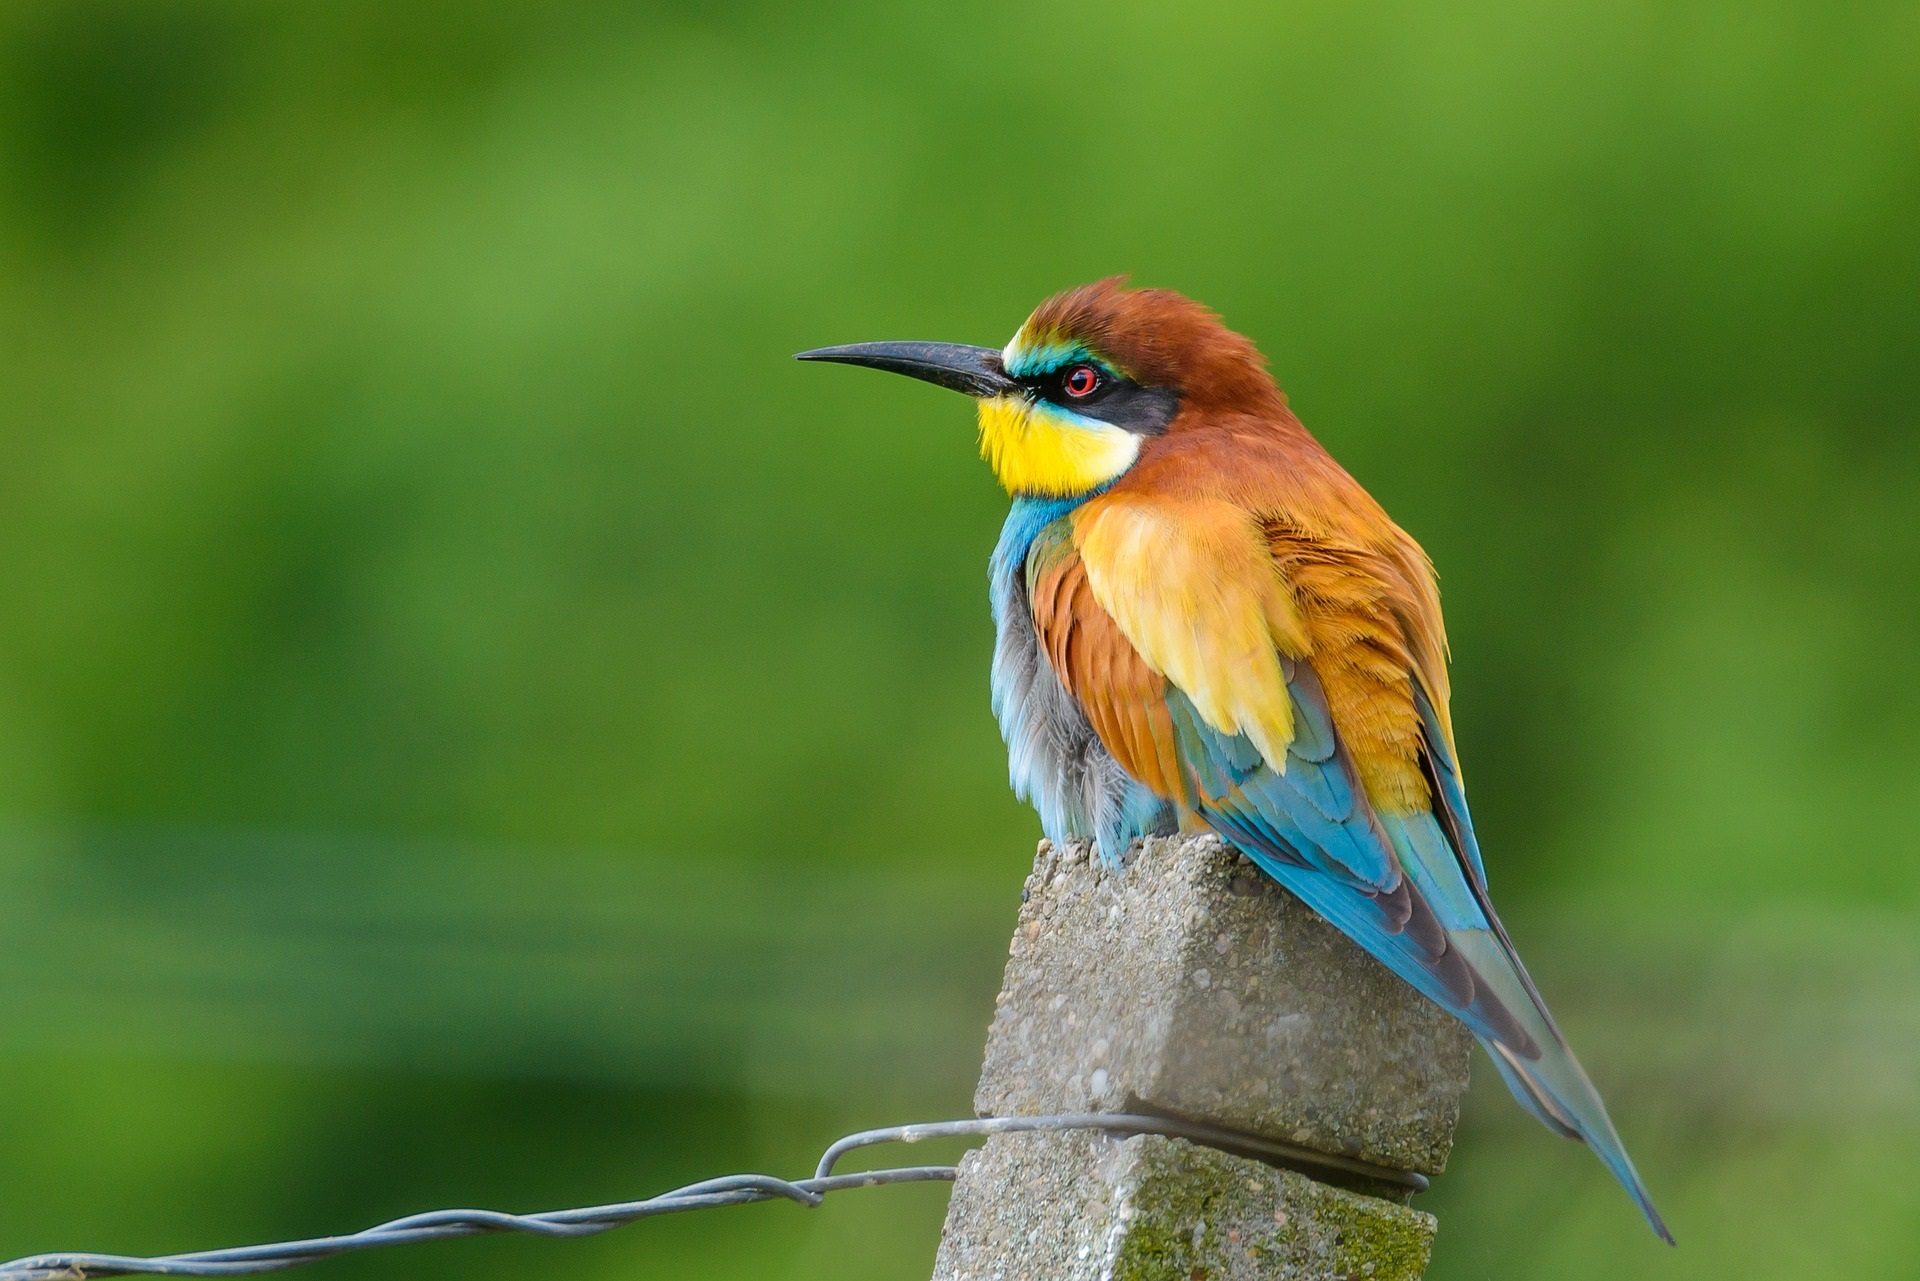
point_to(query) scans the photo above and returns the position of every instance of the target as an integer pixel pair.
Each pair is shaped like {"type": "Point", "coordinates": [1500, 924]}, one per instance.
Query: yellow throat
{"type": "Point", "coordinates": [1044, 451]}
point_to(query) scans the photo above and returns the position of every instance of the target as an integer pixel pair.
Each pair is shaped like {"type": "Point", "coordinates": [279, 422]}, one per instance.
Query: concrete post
{"type": "Point", "coordinates": [1191, 986]}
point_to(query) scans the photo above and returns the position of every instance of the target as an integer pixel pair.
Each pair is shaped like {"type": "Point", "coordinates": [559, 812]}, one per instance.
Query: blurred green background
{"type": "Point", "coordinates": [478, 724]}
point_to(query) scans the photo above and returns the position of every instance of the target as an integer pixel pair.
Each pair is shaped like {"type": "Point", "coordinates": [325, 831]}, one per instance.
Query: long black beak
{"type": "Point", "coordinates": [974, 371]}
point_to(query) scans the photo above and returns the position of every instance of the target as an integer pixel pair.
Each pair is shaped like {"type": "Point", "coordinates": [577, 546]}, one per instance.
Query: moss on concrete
{"type": "Point", "coordinates": [1067, 1207]}
{"type": "Point", "coordinates": [1195, 1214]}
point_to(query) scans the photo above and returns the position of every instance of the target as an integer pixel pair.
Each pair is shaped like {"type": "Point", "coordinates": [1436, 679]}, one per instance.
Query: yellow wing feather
{"type": "Point", "coordinates": [1193, 587]}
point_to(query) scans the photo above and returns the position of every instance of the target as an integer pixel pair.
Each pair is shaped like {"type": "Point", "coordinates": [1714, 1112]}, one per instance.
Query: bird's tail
{"type": "Point", "coordinates": [1454, 950]}
{"type": "Point", "coordinates": [1549, 1082]}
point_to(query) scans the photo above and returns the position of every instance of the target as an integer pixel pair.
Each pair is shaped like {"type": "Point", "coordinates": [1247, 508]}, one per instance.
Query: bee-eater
{"type": "Point", "coordinates": [1203, 622]}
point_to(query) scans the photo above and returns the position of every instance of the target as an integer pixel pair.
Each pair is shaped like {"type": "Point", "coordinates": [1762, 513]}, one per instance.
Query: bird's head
{"type": "Point", "coordinates": [1091, 378]}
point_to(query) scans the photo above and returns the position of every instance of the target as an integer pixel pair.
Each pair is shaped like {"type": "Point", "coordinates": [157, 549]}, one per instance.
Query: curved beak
{"type": "Point", "coordinates": [973, 371]}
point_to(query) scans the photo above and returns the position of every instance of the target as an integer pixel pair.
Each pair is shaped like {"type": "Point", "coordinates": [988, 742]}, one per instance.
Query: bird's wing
{"type": "Point", "coordinates": [1174, 628]}
{"type": "Point", "coordinates": [1172, 632]}
{"type": "Point", "coordinates": [1182, 641]}
{"type": "Point", "coordinates": [1141, 700]}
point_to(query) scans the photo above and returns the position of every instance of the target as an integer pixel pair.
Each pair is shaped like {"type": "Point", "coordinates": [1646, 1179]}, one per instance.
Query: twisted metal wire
{"type": "Point", "coordinates": [732, 1189]}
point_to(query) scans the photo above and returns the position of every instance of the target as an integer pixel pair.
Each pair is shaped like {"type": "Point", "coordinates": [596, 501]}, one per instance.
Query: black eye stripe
{"type": "Point", "coordinates": [1113, 399]}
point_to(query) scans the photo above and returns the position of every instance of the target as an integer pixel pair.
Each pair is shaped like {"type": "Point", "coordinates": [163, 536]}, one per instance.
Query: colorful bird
{"type": "Point", "coordinates": [1204, 622]}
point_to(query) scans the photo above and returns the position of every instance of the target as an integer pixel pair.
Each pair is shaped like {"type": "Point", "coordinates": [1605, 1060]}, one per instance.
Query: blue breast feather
{"type": "Point", "coordinates": [1054, 760]}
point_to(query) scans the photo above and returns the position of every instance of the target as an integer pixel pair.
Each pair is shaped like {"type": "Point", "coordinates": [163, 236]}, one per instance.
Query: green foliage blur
{"type": "Point", "coordinates": [478, 724]}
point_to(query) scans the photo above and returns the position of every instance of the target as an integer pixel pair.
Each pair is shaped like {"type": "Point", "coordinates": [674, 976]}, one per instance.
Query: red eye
{"type": "Point", "coordinates": [1081, 380]}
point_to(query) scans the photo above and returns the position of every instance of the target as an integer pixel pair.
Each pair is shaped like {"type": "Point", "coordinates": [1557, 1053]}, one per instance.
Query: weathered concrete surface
{"type": "Point", "coordinates": [1079, 1206]}
{"type": "Point", "coordinates": [1192, 985]}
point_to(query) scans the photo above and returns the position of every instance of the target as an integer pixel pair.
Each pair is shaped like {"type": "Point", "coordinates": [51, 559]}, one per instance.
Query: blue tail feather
{"type": "Point", "coordinates": [1557, 1091]}
{"type": "Point", "coordinates": [1409, 888]}
{"type": "Point", "coordinates": [1312, 831]}
{"type": "Point", "coordinates": [1549, 1083]}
